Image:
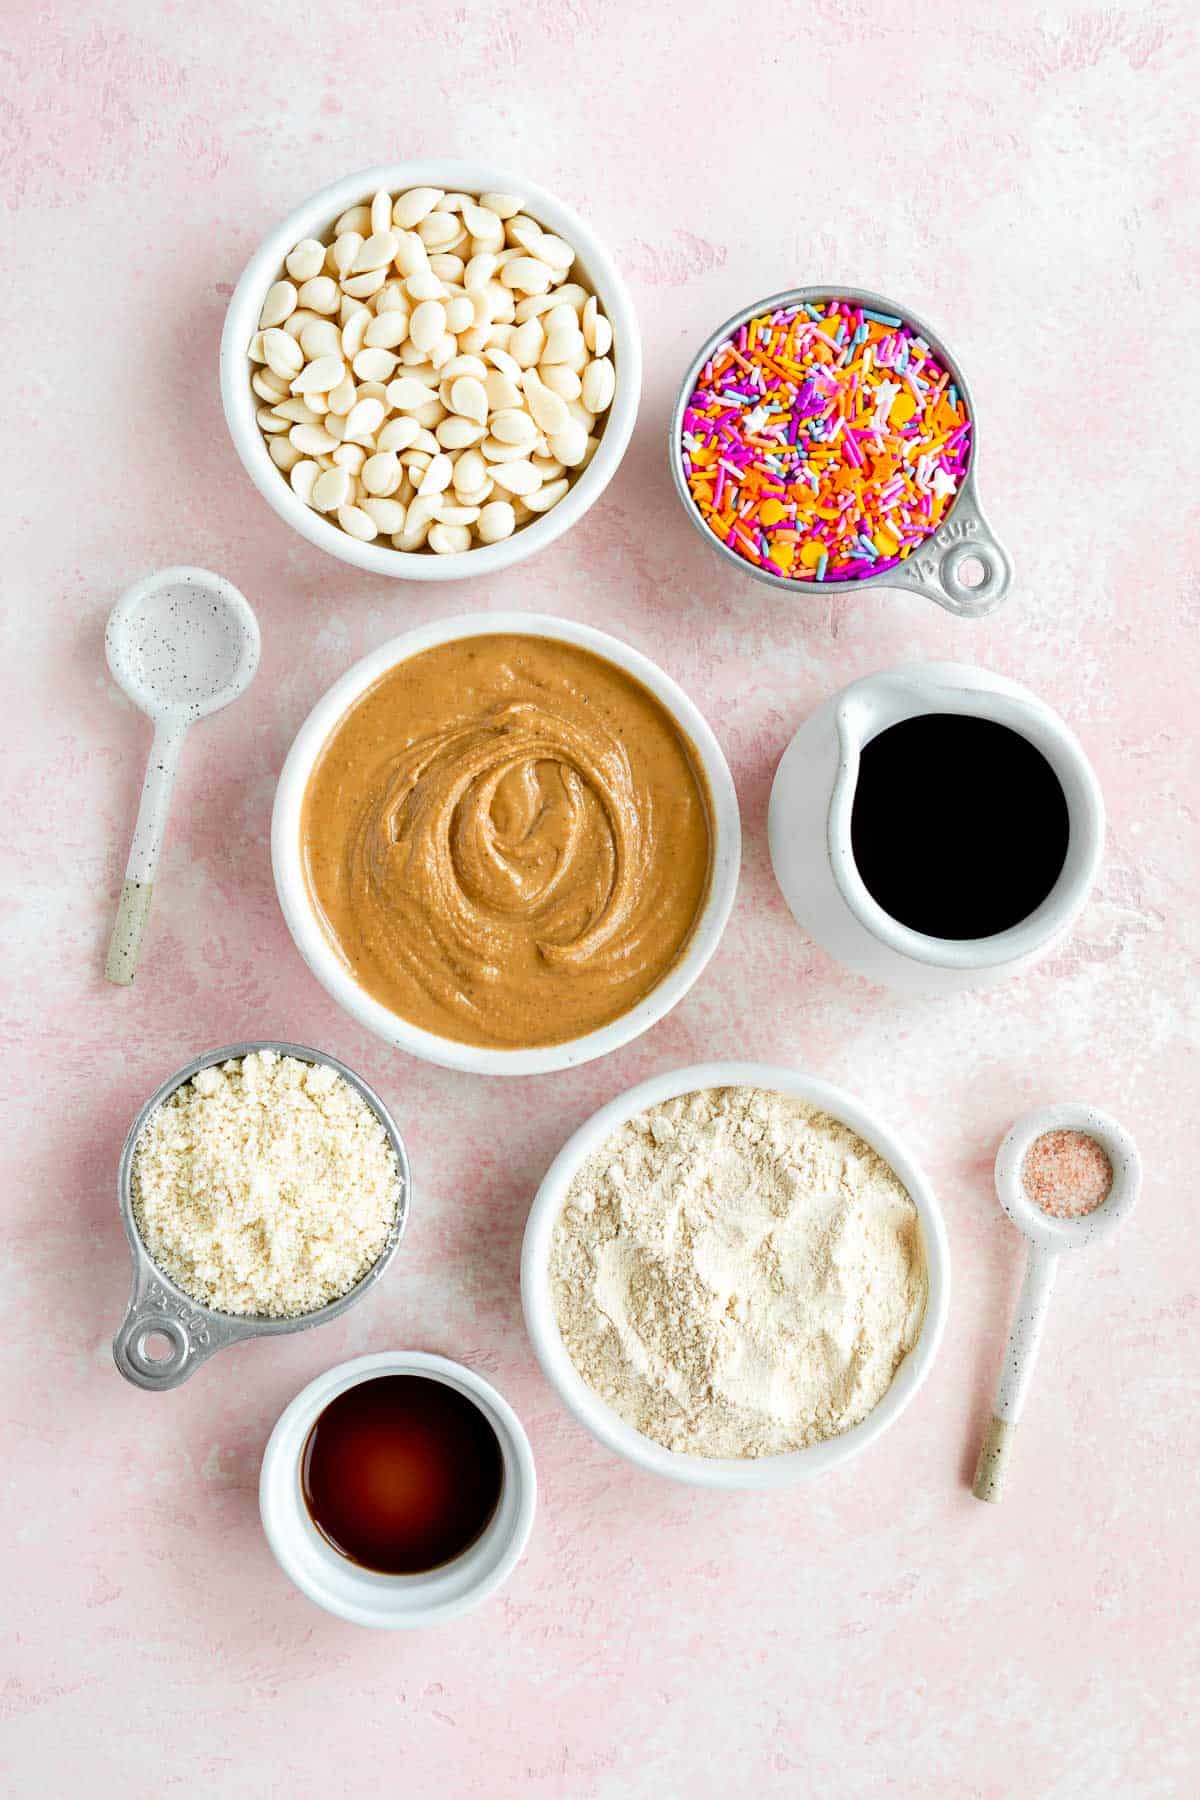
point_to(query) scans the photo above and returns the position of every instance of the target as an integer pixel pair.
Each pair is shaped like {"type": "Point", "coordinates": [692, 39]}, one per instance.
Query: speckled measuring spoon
{"type": "Point", "coordinates": [181, 644]}
{"type": "Point", "coordinates": [1048, 1237]}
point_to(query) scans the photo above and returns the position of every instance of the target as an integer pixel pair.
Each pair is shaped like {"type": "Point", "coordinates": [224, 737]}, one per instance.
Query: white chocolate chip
{"type": "Point", "coordinates": [496, 521]}
{"type": "Point", "coordinates": [268, 386]}
{"type": "Point", "coordinates": [365, 418]}
{"type": "Point", "coordinates": [282, 354]}
{"type": "Point", "coordinates": [548, 408]}
{"type": "Point", "coordinates": [398, 434]}
{"type": "Point", "coordinates": [374, 365]}
{"type": "Point", "coordinates": [321, 375]}
{"type": "Point", "coordinates": [527, 343]}
{"type": "Point", "coordinates": [332, 490]}
{"type": "Point", "coordinates": [358, 523]}
{"type": "Point", "coordinates": [306, 260]}
{"type": "Point", "coordinates": [354, 334]}
{"type": "Point", "coordinates": [547, 496]}
{"type": "Point", "coordinates": [527, 274]}
{"type": "Point", "coordinates": [414, 206]}
{"type": "Point", "coordinates": [381, 475]}
{"type": "Point", "coordinates": [436, 478]}
{"type": "Point", "coordinates": [459, 434]}
{"type": "Point", "coordinates": [407, 394]}
{"type": "Point", "coordinates": [427, 325]}
{"type": "Point", "coordinates": [386, 330]}
{"type": "Point", "coordinates": [320, 295]}
{"type": "Point", "coordinates": [381, 211]}
{"type": "Point", "coordinates": [516, 477]}
{"type": "Point", "coordinates": [555, 251]}
{"type": "Point", "coordinates": [342, 397]}
{"type": "Point", "coordinates": [362, 287]}
{"type": "Point", "coordinates": [569, 445]}
{"type": "Point", "coordinates": [344, 251]}
{"type": "Point", "coordinates": [303, 477]}
{"type": "Point", "coordinates": [513, 427]}
{"type": "Point", "coordinates": [321, 338]}
{"type": "Point", "coordinates": [356, 218]}
{"type": "Point", "coordinates": [440, 231]}
{"type": "Point", "coordinates": [280, 304]}
{"type": "Point", "coordinates": [468, 398]}
{"type": "Point", "coordinates": [375, 253]}
{"type": "Point", "coordinates": [599, 385]}
{"type": "Point", "coordinates": [388, 515]}
{"type": "Point", "coordinates": [560, 380]}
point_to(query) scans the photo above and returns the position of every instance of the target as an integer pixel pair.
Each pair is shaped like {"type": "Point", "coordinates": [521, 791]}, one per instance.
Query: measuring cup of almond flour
{"type": "Point", "coordinates": [227, 1245]}
{"type": "Point", "coordinates": [1066, 1176]}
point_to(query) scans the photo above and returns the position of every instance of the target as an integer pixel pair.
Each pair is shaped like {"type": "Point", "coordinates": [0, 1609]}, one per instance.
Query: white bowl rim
{"type": "Point", "coordinates": [319, 953]}
{"type": "Point", "coordinates": [315, 215]}
{"type": "Point", "coordinates": [607, 1425]}
{"type": "Point", "coordinates": [280, 1470]}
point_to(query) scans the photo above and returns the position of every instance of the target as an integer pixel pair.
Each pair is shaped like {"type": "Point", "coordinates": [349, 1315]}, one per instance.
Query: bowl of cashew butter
{"type": "Point", "coordinates": [506, 843]}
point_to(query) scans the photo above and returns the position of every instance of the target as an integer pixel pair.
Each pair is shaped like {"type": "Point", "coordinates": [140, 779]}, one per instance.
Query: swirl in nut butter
{"type": "Point", "coordinates": [509, 840]}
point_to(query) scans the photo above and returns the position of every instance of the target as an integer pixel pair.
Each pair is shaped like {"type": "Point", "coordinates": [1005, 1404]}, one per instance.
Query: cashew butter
{"type": "Point", "coordinates": [509, 840]}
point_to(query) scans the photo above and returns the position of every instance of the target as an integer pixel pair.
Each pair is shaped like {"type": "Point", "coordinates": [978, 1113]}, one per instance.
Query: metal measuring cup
{"type": "Point", "coordinates": [934, 567]}
{"type": "Point", "coordinates": [158, 1308]}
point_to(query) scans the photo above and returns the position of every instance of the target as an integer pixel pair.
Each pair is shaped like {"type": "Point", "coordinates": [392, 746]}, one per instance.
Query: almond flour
{"type": "Point", "coordinates": [738, 1274]}
{"type": "Point", "coordinates": [265, 1186]}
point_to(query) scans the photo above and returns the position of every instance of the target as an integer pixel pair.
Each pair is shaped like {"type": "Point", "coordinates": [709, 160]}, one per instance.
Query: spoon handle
{"type": "Point", "coordinates": [1019, 1358]}
{"type": "Point", "coordinates": [126, 941]}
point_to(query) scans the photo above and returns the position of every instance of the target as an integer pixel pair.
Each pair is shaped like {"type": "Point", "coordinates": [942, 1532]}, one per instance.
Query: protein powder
{"type": "Point", "coordinates": [738, 1274]}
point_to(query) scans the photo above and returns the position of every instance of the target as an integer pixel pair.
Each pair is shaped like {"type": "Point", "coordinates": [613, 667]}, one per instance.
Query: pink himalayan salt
{"type": "Point", "coordinates": [1067, 1174]}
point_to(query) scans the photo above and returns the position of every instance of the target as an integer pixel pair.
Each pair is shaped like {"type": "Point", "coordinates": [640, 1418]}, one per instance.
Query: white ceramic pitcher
{"type": "Point", "coordinates": [809, 828]}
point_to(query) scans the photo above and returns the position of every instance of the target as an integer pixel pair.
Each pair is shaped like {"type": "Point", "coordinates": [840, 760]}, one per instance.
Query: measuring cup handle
{"type": "Point", "coordinates": [191, 1337]}
{"type": "Point", "coordinates": [935, 569]}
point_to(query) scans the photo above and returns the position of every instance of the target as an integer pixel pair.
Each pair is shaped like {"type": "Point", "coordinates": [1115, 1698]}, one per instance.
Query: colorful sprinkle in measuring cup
{"type": "Point", "coordinates": [938, 566]}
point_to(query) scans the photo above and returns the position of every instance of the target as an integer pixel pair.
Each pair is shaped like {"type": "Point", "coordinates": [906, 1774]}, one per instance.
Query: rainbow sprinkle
{"type": "Point", "coordinates": [824, 442]}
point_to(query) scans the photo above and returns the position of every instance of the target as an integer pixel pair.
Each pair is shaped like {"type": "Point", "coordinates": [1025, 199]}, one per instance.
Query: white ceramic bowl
{"type": "Point", "coordinates": [607, 1425]}
{"type": "Point", "coordinates": [394, 1602]}
{"type": "Point", "coordinates": [313, 219]}
{"type": "Point", "coordinates": [322, 957]}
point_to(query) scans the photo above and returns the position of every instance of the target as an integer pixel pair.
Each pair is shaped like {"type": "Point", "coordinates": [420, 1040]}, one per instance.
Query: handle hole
{"type": "Point", "coordinates": [972, 575]}
{"type": "Point", "coordinates": [156, 1346]}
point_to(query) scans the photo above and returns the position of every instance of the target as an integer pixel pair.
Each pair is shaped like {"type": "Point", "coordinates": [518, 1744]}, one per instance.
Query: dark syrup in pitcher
{"type": "Point", "coordinates": [959, 825]}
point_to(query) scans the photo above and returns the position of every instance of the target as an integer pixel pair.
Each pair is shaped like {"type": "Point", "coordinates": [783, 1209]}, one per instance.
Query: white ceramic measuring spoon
{"type": "Point", "coordinates": [1048, 1238]}
{"type": "Point", "coordinates": [181, 644]}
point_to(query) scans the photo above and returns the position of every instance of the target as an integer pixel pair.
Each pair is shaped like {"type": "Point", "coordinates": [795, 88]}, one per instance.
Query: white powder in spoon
{"type": "Point", "coordinates": [738, 1274]}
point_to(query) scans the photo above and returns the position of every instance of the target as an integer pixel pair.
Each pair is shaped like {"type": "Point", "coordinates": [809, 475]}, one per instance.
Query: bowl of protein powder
{"type": "Point", "coordinates": [735, 1275]}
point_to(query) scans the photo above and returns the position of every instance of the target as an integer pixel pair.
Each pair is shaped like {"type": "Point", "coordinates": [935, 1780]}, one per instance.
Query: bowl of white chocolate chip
{"type": "Point", "coordinates": [431, 369]}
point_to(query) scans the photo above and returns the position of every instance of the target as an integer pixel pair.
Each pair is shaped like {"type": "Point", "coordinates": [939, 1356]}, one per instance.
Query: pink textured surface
{"type": "Point", "coordinates": [1020, 175]}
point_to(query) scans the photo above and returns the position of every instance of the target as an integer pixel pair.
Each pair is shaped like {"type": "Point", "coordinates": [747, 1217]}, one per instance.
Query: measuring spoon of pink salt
{"type": "Point", "coordinates": [1066, 1176]}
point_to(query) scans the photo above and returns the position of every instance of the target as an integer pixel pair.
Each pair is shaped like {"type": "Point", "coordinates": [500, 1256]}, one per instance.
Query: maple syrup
{"type": "Point", "coordinates": [959, 825]}
{"type": "Point", "coordinates": [401, 1473]}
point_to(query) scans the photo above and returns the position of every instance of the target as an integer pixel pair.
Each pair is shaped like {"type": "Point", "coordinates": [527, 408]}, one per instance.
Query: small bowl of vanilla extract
{"type": "Point", "coordinates": [398, 1490]}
